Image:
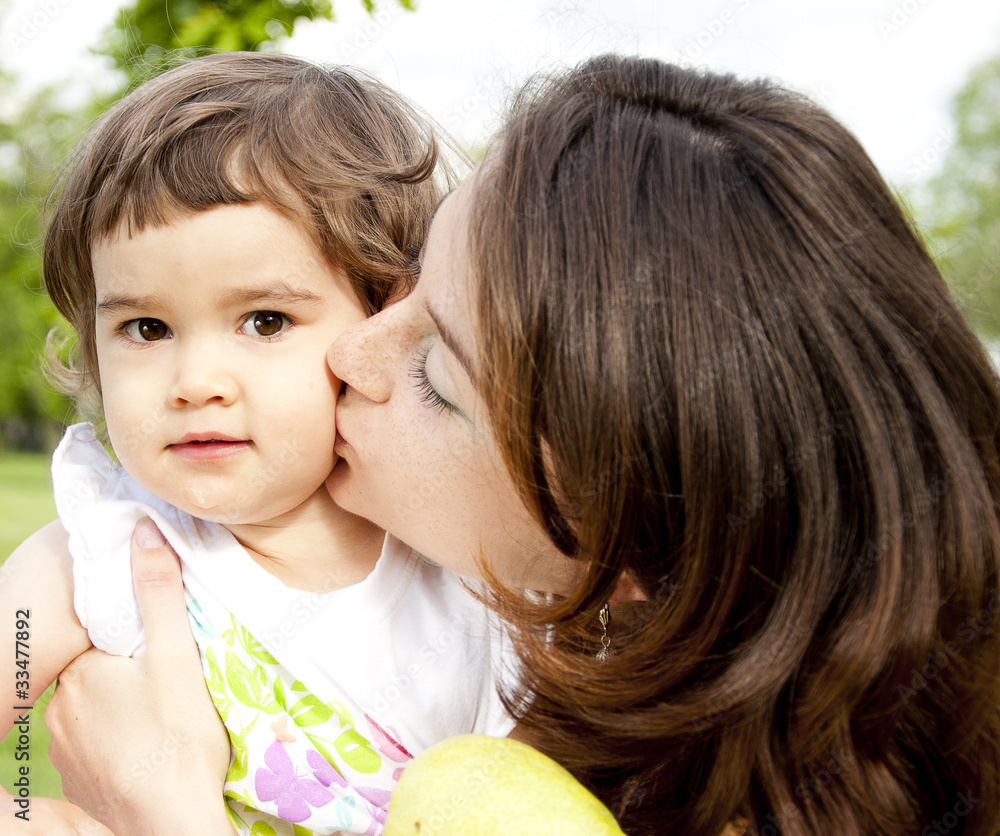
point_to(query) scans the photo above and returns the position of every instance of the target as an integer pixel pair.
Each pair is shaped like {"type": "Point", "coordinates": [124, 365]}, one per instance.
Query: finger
{"type": "Point", "coordinates": [156, 575]}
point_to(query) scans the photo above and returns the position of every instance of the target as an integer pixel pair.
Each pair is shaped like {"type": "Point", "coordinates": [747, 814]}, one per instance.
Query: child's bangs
{"type": "Point", "coordinates": [192, 170]}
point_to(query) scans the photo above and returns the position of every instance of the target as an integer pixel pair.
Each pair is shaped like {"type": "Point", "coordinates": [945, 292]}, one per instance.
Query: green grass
{"type": "Point", "coordinates": [25, 506]}
{"type": "Point", "coordinates": [25, 498]}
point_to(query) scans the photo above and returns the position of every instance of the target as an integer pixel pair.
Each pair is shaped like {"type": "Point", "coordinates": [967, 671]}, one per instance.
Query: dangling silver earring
{"type": "Point", "coordinates": [604, 617]}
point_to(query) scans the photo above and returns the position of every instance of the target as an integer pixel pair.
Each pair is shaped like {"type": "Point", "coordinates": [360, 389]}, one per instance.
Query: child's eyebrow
{"type": "Point", "coordinates": [277, 294]}
{"type": "Point", "coordinates": [273, 294]}
{"type": "Point", "coordinates": [116, 304]}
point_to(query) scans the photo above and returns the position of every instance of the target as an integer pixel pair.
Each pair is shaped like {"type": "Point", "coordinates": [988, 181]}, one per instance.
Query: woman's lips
{"type": "Point", "coordinates": [208, 448]}
{"type": "Point", "coordinates": [339, 441]}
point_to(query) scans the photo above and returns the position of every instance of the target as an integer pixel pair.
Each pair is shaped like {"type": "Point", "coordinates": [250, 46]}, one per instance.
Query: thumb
{"type": "Point", "coordinates": [156, 575]}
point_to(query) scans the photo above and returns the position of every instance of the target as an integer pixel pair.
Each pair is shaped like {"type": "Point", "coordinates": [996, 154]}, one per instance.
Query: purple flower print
{"type": "Point", "coordinates": [279, 782]}
{"type": "Point", "coordinates": [377, 797]}
{"type": "Point", "coordinates": [323, 770]}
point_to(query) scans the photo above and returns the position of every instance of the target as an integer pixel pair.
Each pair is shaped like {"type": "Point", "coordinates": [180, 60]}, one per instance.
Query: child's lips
{"type": "Point", "coordinates": [208, 446]}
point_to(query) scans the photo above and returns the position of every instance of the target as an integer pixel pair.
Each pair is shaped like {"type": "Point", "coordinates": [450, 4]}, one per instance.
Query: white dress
{"type": "Point", "coordinates": [325, 696]}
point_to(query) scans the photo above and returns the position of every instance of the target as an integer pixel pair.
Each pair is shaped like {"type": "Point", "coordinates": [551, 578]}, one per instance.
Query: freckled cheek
{"type": "Point", "coordinates": [412, 465]}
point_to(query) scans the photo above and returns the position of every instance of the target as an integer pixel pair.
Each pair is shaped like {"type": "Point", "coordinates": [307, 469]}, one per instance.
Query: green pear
{"type": "Point", "coordinates": [475, 785]}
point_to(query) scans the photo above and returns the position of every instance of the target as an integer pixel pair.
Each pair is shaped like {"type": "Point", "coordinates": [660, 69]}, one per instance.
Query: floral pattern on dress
{"type": "Point", "coordinates": [299, 765]}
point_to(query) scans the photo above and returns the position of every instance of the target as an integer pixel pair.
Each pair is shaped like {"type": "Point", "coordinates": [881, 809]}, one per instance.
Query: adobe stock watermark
{"type": "Point", "coordinates": [142, 432]}
{"type": "Point", "coordinates": [292, 453]}
{"type": "Point", "coordinates": [460, 113]}
{"type": "Point", "coordinates": [427, 657]}
{"type": "Point", "coordinates": [807, 790]}
{"type": "Point", "coordinates": [871, 552]}
{"type": "Point", "coordinates": [919, 164]}
{"type": "Point", "coordinates": [733, 695]}
{"type": "Point", "coordinates": [437, 480]}
{"type": "Point", "coordinates": [365, 35]}
{"type": "Point", "coordinates": [794, 461]}
{"type": "Point", "coordinates": [29, 25]}
{"type": "Point", "coordinates": [938, 660]}
{"type": "Point", "coordinates": [712, 29]}
{"type": "Point", "coordinates": [559, 13]}
{"type": "Point", "coordinates": [303, 610]}
{"type": "Point", "coordinates": [901, 14]}
{"type": "Point", "coordinates": [147, 767]}
{"type": "Point", "coordinates": [953, 817]}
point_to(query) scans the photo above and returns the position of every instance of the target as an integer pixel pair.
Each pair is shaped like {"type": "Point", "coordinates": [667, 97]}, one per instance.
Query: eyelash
{"type": "Point", "coordinates": [428, 394]}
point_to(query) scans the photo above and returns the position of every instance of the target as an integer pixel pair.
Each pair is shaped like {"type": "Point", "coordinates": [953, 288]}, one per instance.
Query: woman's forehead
{"type": "Point", "coordinates": [446, 278]}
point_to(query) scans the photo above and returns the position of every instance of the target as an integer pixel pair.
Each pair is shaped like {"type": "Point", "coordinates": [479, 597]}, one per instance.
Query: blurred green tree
{"type": "Point", "coordinates": [962, 201]}
{"type": "Point", "coordinates": [148, 37]}
{"type": "Point", "coordinates": [33, 138]}
{"type": "Point", "coordinates": [152, 35]}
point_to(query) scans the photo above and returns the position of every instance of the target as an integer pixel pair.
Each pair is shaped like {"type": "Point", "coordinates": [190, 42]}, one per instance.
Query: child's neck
{"type": "Point", "coordinates": [318, 546]}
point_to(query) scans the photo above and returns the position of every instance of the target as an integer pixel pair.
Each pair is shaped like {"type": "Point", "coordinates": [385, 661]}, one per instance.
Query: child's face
{"type": "Point", "coordinates": [212, 334]}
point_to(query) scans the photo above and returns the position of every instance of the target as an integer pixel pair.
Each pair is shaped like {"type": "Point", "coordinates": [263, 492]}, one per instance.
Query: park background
{"type": "Point", "coordinates": [918, 81]}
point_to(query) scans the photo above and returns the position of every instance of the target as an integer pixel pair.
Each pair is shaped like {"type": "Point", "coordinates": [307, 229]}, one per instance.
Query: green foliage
{"type": "Point", "coordinates": [152, 35]}
{"type": "Point", "coordinates": [33, 139]}
{"type": "Point", "coordinates": [963, 201]}
{"type": "Point", "coordinates": [26, 502]}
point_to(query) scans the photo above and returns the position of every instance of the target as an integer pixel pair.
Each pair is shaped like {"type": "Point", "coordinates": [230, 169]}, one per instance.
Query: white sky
{"type": "Point", "coordinates": [887, 69]}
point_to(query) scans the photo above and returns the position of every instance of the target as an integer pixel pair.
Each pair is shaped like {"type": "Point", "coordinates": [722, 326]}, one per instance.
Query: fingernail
{"type": "Point", "coordinates": [147, 535]}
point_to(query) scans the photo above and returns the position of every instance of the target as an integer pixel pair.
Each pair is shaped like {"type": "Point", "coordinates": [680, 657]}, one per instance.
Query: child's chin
{"type": "Point", "coordinates": [222, 514]}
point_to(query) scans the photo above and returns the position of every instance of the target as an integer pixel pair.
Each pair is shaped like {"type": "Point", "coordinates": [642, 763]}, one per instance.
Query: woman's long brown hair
{"type": "Point", "coordinates": [722, 361]}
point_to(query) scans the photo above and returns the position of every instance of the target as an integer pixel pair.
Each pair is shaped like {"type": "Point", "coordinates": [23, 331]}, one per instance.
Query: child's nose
{"type": "Point", "coordinates": [202, 376]}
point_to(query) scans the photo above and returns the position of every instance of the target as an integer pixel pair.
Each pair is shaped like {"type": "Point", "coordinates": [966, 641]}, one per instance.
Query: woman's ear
{"type": "Point", "coordinates": [628, 590]}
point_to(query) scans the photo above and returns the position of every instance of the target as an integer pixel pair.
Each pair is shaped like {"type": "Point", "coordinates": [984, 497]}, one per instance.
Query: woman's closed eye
{"type": "Point", "coordinates": [428, 394]}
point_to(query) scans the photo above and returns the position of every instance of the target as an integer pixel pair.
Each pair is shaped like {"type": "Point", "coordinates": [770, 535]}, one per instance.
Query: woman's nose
{"type": "Point", "coordinates": [365, 355]}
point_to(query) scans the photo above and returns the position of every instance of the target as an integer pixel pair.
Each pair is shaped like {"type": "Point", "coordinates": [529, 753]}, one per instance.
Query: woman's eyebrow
{"type": "Point", "coordinates": [449, 340]}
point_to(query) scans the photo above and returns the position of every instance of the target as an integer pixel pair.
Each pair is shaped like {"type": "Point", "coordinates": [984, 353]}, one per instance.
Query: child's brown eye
{"type": "Point", "coordinates": [147, 330]}
{"type": "Point", "coordinates": [264, 324]}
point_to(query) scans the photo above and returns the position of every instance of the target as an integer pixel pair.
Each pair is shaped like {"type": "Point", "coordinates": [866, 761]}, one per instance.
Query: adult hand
{"type": "Point", "coordinates": [138, 742]}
